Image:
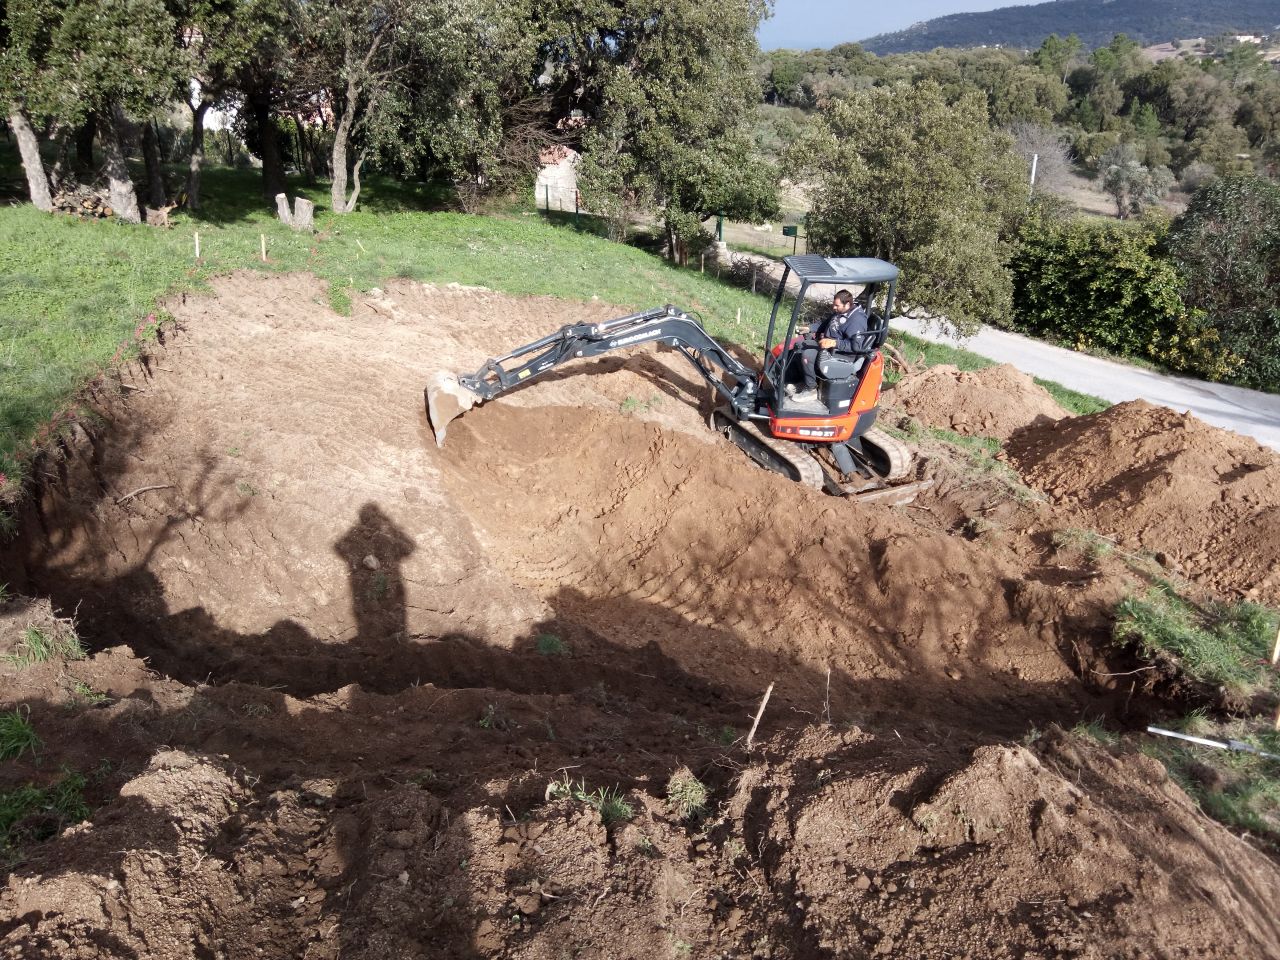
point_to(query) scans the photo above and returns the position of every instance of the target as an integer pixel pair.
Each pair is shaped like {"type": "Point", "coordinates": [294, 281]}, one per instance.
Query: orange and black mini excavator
{"type": "Point", "coordinates": [827, 441]}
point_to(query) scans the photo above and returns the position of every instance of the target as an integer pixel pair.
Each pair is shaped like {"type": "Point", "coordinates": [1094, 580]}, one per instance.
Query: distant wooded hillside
{"type": "Point", "coordinates": [1094, 21]}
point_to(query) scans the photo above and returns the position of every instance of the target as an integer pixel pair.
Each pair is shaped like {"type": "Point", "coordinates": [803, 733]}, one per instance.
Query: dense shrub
{"type": "Point", "coordinates": [1101, 284]}
{"type": "Point", "coordinates": [1227, 248]}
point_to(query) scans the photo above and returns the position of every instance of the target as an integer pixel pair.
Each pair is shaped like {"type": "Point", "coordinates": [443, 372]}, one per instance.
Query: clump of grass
{"type": "Point", "coordinates": [549, 645]}
{"type": "Point", "coordinates": [17, 734]}
{"type": "Point", "coordinates": [5, 595]}
{"type": "Point", "coordinates": [612, 804]}
{"type": "Point", "coordinates": [1079, 541]}
{"type": "Point", "coordinates": [40, 646]}
{"type": "Point", "coordinates": [30, 814]}
{"type": "Point", "coordinates": [687, 795]}
{"type": "Point", "coordinates": [1224, 645]}
{"type": "Point", "coordinates": [1073, 401]}
{"type": "Point", "coordinates": [1095, 730]}
{"type": "Point", "coordinates": [89, 695]}
{"type": "Point", "coordinates": [1242, 790]}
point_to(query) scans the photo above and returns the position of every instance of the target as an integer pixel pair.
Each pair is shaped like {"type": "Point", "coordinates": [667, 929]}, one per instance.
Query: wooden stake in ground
{"type": "Point", "coordinates": [759, 713]}
{"type": "Point", "coordinates": [262, 240]}
{"type": "Point", "coordinates": [1275, 650]}
{"type": "Point", "coordinates": [197, 244]}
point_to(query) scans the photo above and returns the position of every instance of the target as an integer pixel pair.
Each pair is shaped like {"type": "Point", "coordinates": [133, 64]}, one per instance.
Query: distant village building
{"type": "Point", "coordinates": [557, 185]}
{"type": "Point", "coordinates": [1247, 38]}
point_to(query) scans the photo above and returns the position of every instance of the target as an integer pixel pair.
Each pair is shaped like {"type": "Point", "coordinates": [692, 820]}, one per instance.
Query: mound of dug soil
{"type": "Point", "coordinates": [993, 402]}
{"type": "Point", "coordinates": [356, 696]}
{"type": "Point", "coordinates": [1170, 484]}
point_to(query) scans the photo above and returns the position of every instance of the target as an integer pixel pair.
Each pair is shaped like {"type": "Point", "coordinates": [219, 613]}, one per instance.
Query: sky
{"type": "Point", "coordinates": [805, 24]}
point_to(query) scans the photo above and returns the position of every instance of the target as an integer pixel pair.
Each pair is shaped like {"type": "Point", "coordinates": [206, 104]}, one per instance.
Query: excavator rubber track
{"type": "Point", "coordinates": [788, 459]}
{"type": "Point", "coordinates": [889, 458]}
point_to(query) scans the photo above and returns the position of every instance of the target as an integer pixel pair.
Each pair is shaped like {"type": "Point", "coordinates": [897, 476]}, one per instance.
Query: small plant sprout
{"type": "Point", "coordinates": [17, 735]}
{"type": "Point", "coordinates": [86, 693]}
{"type": "Point", "coordinates": [549, 645]}
{"type": "Point", "coordinates": [489, 719]}
{"type": "Point", "coordinates": [686, 795]}
{"type": "Point", "coordinates": [611, 804]}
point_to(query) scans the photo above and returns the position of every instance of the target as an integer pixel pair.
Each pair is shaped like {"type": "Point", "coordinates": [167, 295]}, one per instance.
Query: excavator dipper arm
{"type": "Point", "coordinates": [667, 324]}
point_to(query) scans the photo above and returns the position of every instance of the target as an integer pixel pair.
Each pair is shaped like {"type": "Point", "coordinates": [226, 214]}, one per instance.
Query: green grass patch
{"type": "Point", "coordinates": [30, 814]}
{"type": "Point", "coordinates": [1222, 645]}
{"type": "Point", "coordinates": [1240, 789]}
{"type": "Point", "coordinates": [1073, 401]}
{"type": "Point", "coordinates": [549, 645]}
{"type": "Point", "coordinates": [39, 646]}
{"type": "Point", "coordinates": [612, 804]}
{"type": "Point", "coordinates": [17, 734]}
{"type": "Point", "coordinates": [1095, 730]}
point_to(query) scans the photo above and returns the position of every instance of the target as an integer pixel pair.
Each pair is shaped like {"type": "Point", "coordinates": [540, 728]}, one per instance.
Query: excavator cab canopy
{"type": "Point", "coordinates": [878, 280]}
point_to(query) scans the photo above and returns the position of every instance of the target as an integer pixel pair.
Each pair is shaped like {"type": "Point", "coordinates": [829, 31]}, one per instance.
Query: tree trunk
{"type": "Point", "coordinates": [84, 142]}
{"type": "Point", "coordinates": [273, 180]}
{"type": "Point", "coordinates": [156, 197]}
{"type": "Point", "coordinates": [124, 199]}
{"type": "Point", "coordinates": [306, 150]}
{"type": "Point", "coordinates": [61, 170]}
{"type": "Point", "coordinates": [338, 159]}
{"type": "Point", "coordinates": [29, 149]}
{"type": "Point", "coordinates": [197, 154]}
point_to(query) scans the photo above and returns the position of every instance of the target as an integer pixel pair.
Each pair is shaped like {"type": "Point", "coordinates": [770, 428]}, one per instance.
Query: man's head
{"type": "Point", "coordinates": [842, 301]}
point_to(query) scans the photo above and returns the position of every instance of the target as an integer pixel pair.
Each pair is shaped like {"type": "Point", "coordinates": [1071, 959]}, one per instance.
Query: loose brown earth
{"type": "Point", "coordinates": [993, 402]}
{"type": "Point", "coordinates": [335, 711]}
{"type": "Point", "coordinates": [1165, 482]}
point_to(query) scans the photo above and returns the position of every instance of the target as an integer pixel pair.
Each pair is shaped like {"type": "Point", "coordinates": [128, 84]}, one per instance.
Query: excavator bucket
{"type": "Point", "coordinates": [447, 399]}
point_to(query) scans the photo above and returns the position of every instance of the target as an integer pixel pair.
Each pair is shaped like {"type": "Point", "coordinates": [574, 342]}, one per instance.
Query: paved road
{"type": "Point", "coordinates": [1235, 408]}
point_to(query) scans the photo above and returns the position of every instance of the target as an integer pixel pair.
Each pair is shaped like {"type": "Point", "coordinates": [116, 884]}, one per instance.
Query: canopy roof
{"type": "Point", "coordinates": [815, 269]}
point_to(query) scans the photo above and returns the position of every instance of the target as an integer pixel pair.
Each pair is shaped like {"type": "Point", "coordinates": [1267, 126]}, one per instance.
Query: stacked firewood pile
{"type": "Point", "coordinates": [83, 202]}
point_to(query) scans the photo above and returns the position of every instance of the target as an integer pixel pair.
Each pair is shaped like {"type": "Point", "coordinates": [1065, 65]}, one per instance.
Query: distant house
{"type": "Point", "coordinates": [557, 185]}
{"type": "Point", "coordinates": [1247, 38]}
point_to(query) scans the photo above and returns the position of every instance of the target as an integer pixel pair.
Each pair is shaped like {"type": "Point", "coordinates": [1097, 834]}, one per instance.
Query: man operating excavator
{"type": "Point", "coordinates": [847, 318]}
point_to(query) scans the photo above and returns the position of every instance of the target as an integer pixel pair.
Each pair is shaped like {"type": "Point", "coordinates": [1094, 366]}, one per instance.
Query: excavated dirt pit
{"type": "Point", "coordinates": [342, 668]}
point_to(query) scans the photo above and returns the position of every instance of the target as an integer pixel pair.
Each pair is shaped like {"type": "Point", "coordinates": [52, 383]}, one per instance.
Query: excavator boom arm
{"type": "Point", "coordinates": [667, 325]}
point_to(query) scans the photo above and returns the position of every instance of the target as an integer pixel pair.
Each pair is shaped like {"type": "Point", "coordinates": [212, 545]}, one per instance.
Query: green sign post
{"type": "Point", "coordinates": [793, 232]}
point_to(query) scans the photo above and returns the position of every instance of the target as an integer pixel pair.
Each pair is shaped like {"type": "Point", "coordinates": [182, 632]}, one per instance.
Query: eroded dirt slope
{"type": "Point", "coordinates": [342, 667]}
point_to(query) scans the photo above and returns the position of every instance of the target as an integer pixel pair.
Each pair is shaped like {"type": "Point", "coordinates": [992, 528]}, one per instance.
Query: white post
{"type": "Point", "coordinates": [1035, 162]}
